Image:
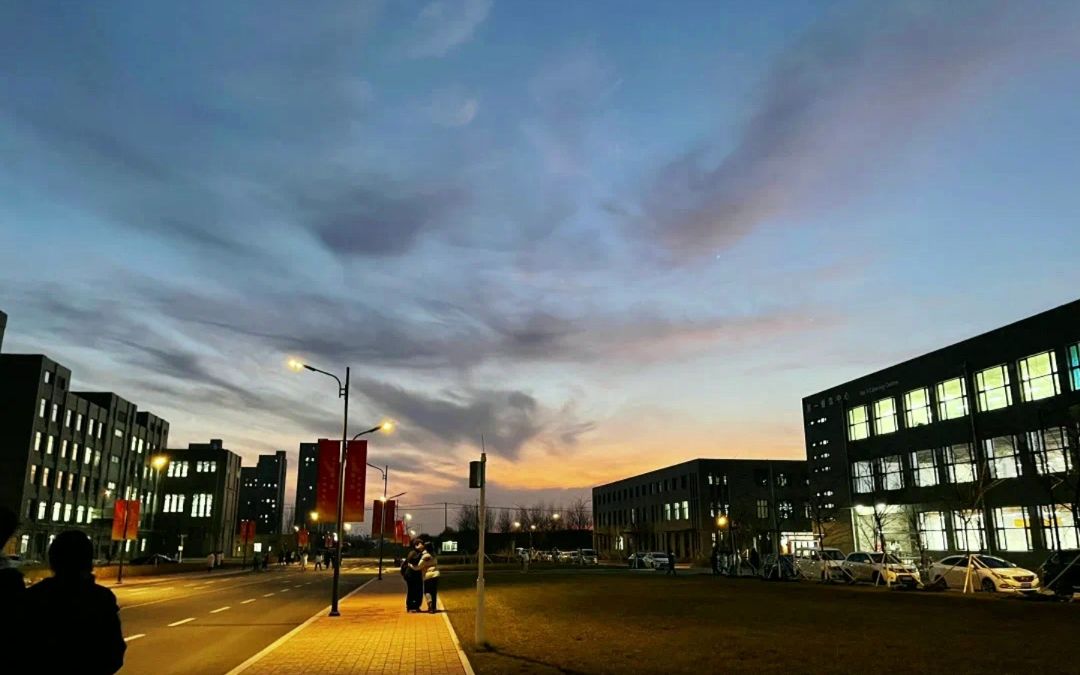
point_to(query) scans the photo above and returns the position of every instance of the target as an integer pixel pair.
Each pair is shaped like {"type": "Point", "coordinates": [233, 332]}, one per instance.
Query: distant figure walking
{"type": "Point", "coordinates": [12, 587]}
{"type": "Point", "coordinates": [266, 562]}
{"type": "Point", "coordinates": [755, 560]}
{"type": "Point", "coordinates": [414, 580]}
{"type": "Point", "coordinates": [76, 622]}
{"type": "Point", "coordinates": [318, 562]}
{"type": "Point", "coordinates": [428, 567]}
{"type": "Point", "coordinates": [210, 562]}
{"type": "Point", "coordinates": [671, 563]}
{"type": "Point", "coordinates": [303, 561]}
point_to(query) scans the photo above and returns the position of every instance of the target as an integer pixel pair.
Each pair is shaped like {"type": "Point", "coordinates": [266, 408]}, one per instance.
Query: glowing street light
{"type": "Point", "coordinates": [408, 516]}
{"type": "Point", "coordinates": [159, 462]}
{"type": "Point", "coordinates": [721, 521]}
{"type": "Point", "coordinates": [516, 524]}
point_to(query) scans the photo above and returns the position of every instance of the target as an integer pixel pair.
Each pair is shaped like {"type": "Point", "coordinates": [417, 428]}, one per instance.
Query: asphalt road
{"type": "Point", "coordinates": [208, 624]}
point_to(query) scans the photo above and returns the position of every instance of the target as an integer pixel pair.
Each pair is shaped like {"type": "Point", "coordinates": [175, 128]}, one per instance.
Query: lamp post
{"type": "Point", "coordinates": [159, 462]}
{"type": "Point", "coordinates": [387, 427]}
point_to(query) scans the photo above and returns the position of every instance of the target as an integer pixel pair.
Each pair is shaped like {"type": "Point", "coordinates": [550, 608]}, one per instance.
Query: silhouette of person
{"type": "Point", "coordinates": [671, 562]}
{"type": "Point", "coordinates": [12, 587]}
{"type": "Point", "coordinates": [76, 622]}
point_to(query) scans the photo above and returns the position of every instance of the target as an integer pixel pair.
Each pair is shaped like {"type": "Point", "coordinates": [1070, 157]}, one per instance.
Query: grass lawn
{"type": "Point", "coordinates": [640, 622]}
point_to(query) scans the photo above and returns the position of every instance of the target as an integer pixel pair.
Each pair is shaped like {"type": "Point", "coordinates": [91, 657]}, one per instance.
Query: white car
{"type": "Point", "coordinates": [587, 556]}
{"type": "Point", "coordinates": [880, 568]}
{"type": "Point", "coordinates": [988, 573]}
{"type": "Point", "coordinates": [825, 563]}
{"type": "Point", "coordinates": [657, 560]}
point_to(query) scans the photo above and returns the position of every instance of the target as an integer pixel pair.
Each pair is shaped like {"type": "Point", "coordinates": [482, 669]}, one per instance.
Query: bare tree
{"type": "Point", "coordinates": [467, 519]}
{"type": "Point", "coordinates": [538, 516]}
{"type": "Point", "coordinates": [578, 516]}
{"type": "Point", "coordinates": [822, 513]}
{"type": "Point", "coordinates": [521, 516]}
{"type": "Point", "coordinates": [504, 521]}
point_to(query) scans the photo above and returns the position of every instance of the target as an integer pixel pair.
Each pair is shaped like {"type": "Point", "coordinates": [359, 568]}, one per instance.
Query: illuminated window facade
{"type": "Point", "coordinates": [1039, 376]}
{"type": "Point", "coordinates": [863, 475]}
{"type": "Point", "coordinates": [1059, 526]}
{"type": "Point", "coordinates": [917, 410]}
{"type": "Point", "coordinates": [892, 473]}
{"type": "Point", "coordinates": [960, 463]}
{"type": "Point", "coordinates": [932, 533]}
{"type": "Point", "coordinates": [1012, 530]}
{"type": "Point", "coordinates": [1074, 367]}
{"type": "Point", "coordinates": [1050, 450]}
{"type": "Point", "coordinates": [1002, 456]}
{"type": "Point", "coordinates": [924, 468]}
{"type": "Point", "coordinates": [952, 399]}
{"type": "Point", "coordinates": [858, 423]}
{"type": "Point", "coordinates": [885, 416]}
{"type": "Point", "coordinates": [968, 530]}
{"type": "Point", "coordinates": [992, 387]}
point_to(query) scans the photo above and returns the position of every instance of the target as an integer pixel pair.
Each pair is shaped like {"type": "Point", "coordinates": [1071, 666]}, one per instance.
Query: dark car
{"type": "Point", "coordinates": [155, 559]}
{"type": "Point", "coordinates": [1061, 572]}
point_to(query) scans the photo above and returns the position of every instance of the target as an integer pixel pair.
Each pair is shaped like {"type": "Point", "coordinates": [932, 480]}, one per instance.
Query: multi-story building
{"type": "Point", "coordinates": [66, 456]}
{"type": "Point", "coordinates": [200, 497]}
{"type": "Point", "coordinates": [765, 502]}
{"type": "Point", "coordinates": [307, 476]}
{"type": "Point", "coordinates": [262, 493]}
{"type": "Point", "coordinates": [970, 447]}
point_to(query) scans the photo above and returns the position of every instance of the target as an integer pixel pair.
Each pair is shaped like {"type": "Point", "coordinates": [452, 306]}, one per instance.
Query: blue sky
{"type": "Point", "coordinates": [608, 236]}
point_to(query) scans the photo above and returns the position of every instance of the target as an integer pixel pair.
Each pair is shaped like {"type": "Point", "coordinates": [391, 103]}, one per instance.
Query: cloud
{"type": "Point", "coordinates": [830, 111]}
{"type": "Point", "coordinates": [445, 24]}
{"type": "Point", "coordinates": [452, 107]}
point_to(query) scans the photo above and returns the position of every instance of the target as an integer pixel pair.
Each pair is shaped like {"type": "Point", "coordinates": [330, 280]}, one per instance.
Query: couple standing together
{"type": "Point", "coordinates": [421, 573]}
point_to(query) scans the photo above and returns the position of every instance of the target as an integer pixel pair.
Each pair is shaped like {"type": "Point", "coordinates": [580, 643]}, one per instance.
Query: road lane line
{"type": "Point", "coordinates": [247, 601]}
{"type": "Point", "coordinates": [219, 609]}
{"type": "Point", "coordinates": [285, 590]}
{"type": "Point", "coordinates": [134, 637]}
{"type": "Point", "coordinates": [137, 590]}
{"type": "Point", "coordinates": [181, 622]}
{"type": "Point", "coordinates": [267, 595]}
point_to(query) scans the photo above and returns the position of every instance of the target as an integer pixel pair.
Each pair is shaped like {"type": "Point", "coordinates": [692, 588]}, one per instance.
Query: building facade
{"type": "Point", "coordinates": [972, 447]}
{"type": "Point", "coordinates": [307, 476]}
{"type": "Point", "coordinates": [66, 456]}
{"type": "Point", "coordinates": [764, 501]}
{"type": "Point", "coordinates": [262, 493]}
{"type": "Point", "coordinates": [199, 500]}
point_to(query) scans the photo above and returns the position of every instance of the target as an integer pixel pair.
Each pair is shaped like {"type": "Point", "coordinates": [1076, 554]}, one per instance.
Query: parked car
{"type": "Point", "coordinates": [587, 556]}
{"type": "Point", "coordinates": [17, 560]}
{"type": "Point", "coordinates": [988, 573]}
{"type": "Point", "coordinates": [880, 568]}
{"type": "Point", "coordinates": [657, 560]}
{"type": "Point", "coordinates": [1061, 573]}
{"type": "Point", "coordinates": [572, 557]}
{"type": "Point", "coordinates": [825, 563]}
{"type": "Point", "coordinates": [636, 561]}
{"type": "Point", "coordinates": [155, 559]}
{"type": "Point", "coordinates": [545, 556]}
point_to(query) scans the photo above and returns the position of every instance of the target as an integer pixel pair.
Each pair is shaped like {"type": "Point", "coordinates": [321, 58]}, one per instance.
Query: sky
{"type": "Point", "coordinates": [607, 236]}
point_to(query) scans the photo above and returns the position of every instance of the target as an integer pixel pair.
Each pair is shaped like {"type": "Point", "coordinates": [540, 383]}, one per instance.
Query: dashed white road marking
{"type": "Point", "coordinates": [247, 601]}
{"type": "Point", "coordinates": [267, 595]}
{"type": "Point", "coordinates": [285, 590]}
{"type": "Point", "coordinates": [182, 621]}
{"type": "Point", "coordinates": [134, 637]}
{"type": "Point", "coordinates": [219, 609]}
{"type": "Point", "coordinates": [138, 590]}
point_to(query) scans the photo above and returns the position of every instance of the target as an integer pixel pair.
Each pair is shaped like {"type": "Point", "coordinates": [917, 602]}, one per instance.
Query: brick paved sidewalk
{"type": "Point", "coordinates": [374, 634]}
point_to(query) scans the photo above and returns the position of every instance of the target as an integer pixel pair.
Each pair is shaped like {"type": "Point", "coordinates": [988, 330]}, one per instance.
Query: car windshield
{"type": "Point", "coordinates": [658, 555]}
{"type": "Point", "coordinates": [995, 563]}
{"type": "Point", "coordinates": [587, 551]}
{"type": "Point", "coordinates": [890, 559]}
{"type": "Point", "coordinates": [832, 555]}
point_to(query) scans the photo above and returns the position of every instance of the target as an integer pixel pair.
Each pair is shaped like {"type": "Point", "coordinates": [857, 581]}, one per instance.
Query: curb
{"type": "Point", "coordinates": [284, 638]}
{"type": "Point", "coordinates": [457, 643]}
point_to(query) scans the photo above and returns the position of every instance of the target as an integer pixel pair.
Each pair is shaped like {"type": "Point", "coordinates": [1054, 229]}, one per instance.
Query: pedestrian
{"type": "Point", "coordinates": [715, 559]}
{"type": "Point", "coordinates": [219, 557]}
{"type": "Point", "coordinates": [428, 567]}
{"type": "Point", "coordinates": [318, 562]}
{"type": "Point", "coordinates": [414, 581]}
{"type": "Point", "coordinates": [755, 560]}
{"type": "Point", "coordinates": [671, 563]}
{"type": "Point", "coordinates": [75, 622]}
{"type": "Point", "coordinates": [210, 562]}
{"type": "Point", "coordinates": [12, 586]}
{"type": "Point", "coordinates": [326, 559]}
{"type": "Point", "coordinates": [303, 561]}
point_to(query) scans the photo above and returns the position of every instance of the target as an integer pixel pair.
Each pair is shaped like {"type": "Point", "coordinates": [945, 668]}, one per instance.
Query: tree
{"type": "Point", "coordinates": [467, 519]}
{"type": "Point", "coordinates": [822, 512]}
{"type": "Point", "coordinates": [504, 522]}
{"type": "Point", "coordinates": [578, 515]}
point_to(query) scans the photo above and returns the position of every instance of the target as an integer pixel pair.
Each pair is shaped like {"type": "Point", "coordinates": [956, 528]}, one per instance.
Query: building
{"type": "Point", "coordinates": [677, 507]}
{"type": "Point", "coordinates": [200, 498]}
{"type": "Point", "coordinates": [307, 475]}
{"type": "Point", "coordinates": [66, 456]}
{"type": "Point", "coordinates": [262, 493]}
{"type": "Point", "coordinates": [970, 447]}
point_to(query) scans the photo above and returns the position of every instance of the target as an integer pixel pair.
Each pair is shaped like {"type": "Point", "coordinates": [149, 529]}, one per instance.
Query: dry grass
{"type": "Point", "coordinates": [629, 623]}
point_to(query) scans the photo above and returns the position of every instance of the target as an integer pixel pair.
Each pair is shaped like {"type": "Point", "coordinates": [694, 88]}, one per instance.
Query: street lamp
{"type": "Point", "coordinates": [343, 392]}
{"type": "Point", "coordinates": [158, 462]}
{"type": "Point", "coordinates": [386, 426]}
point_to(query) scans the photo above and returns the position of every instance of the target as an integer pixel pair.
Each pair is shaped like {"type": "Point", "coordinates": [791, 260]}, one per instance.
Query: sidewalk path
{"type": "Point", "coordinates": [374, 634]}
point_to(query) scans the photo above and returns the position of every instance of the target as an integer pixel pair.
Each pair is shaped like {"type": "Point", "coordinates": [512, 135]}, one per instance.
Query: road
{"type": "Point", "coordinates": [208, 624]}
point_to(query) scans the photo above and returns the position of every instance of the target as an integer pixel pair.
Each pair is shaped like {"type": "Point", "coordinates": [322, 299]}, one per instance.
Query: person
{"type": "Point", "coordinates": [12, 586]}
{"type": "Point", "coordinates": [76, 622]}
{"type": "Point", "coordinates": [671, 563]}
{"type": "Point", "coordinates": [219, 557]}
{"type": "Point", "coordinates": [326, 559]}
{"type": "Point", "coordinates": [755, 560]}
{"type": "Point", "coordinates": [715, 559]}
{"type": "Point", "coordinates": [429, 569]}
{"type": "Point", "coordinates": [266, 562]}
{"type": "Point", "coordinates": [318, 562]}
{"type": "Point", "coordinates": [303, 561]}
{"type": "Point", "coordinates": [414, 582]}
{"type": "Point", "coordinates": [210, 563]}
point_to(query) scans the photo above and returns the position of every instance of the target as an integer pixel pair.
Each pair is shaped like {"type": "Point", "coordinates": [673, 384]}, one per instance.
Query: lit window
{"type": "Point", "coordinates": [992, 386]}
{"type": "Point", "coordinates": [56, 511]}
{"type": "Point", "coordinates": [968, 527]}
{"type": "Point", "coordinates": [863, 474]}
{"type": "Point", "coordinates": [924, 469]}
{"type": "Point", "coordinates": [960, 462]}
{"type": "Point", "coordinates": [67, 418]}
{"type": "Point", "coordinates": [37, 441]}
{"type": "Point", "coordinates": [49, 444]}
{"type": "Point", "coordinates": [858, 423]}
{"type": "Point", "coordinates": [118, 433]}
{"type": "Point", "coordinates": [685, 510]}
{"type": "Point", "coordinates": [1074, 366]}
{"type": "Point", "coordinates": [1039, 376]}
{"type": "Point", "coordinates": [952, 399]}
{"type": "Point", "coordinates": [44, 476]}
{"type": "Point", "coordinates": [763, 508]}
{"type": "Point", "coordinates": [48, 377]}
{"type": "Point", "coordinates": [33, 474]}
{"type": "Point", "coordinates": [917, 407]}
{"type": "Point", "coordinates": [59, 480]}
{"type": "Point", "coordinates": [41, 409]}
{"type": "Point", "coordinates": [1002, 455]}
{"type": "Point", "coordinates": [67, 513]}
{"type": "Point", "coordinates": [87, 453]}
{"type": "Point", "coordinates": [78, 422]}
{"type": "Point", "coordinates": [177, 470]}
{"type": "Point", "coordinates": [1059, 527]}
{"type": "Point", "coordinates": [1050, 448]}
{"type": "Point", "coordinates": [41, 510]}
{"type": "Point", "coordinates": [55, 412]}
{"type": "Point", "coordinates": [1012, 529]}
{"type": "Point", "coordinates": [89, 427]}
{"type": "Point", "coordinates": [892, 476]}
{"type": "Point", "coordinates": [885, 416]}
{"type": "Point", "coordinates": [80, 511]}
{"type": "Point", "coordinates": [784, 510]}
{"type": "Point", "coordinates": [932, 531]}
{"type": "Point", "coordinates": [63, 449]}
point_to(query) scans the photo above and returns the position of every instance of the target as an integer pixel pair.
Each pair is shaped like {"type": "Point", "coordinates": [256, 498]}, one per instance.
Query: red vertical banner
{"type": "Point", "coordinates": [247, 530]}
{"type": "Point", "coordinates": [326, 488]}
{"type": "Point", "coordinates": [377, 518]}
{"type": "Point", "coordinates": [301, 538]}
{"type": "Point", "coordinates": [383, 517]}
{"type": "Point", "coordinates": [355, 479]}
{"type": "Point", "coordinates": [125, 523]}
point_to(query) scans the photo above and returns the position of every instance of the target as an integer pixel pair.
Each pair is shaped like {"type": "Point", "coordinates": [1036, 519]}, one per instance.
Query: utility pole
{"type": "Point", "coordinates": [477, 479]}
{"type": "Point", "coordinates": [445, 517]}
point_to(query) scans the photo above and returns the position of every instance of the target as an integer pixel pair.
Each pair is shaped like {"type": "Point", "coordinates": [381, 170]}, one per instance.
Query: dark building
{"type": "Point", "coordinates": [200, 497]}
{"type": "Point", "coordinates": [66, 456]}
{"type": "Point", "coordinates": [307, 475]}
{"type": "Point", "coordinates": [970, 447]}
{"type": "Point", "coordinates": [676, 507]}
{"type": "Point", "coordinates": [262, 493]}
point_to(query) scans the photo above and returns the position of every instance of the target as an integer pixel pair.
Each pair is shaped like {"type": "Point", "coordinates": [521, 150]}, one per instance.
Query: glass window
{"type": "Point", "coordinates": [80, 511]}
{"type": "Point", "coordinates": [44, 476]}
{"type": "Point", "coordinates": [1039, 376]}
{"type": "Point", "coordinates": [1059, 527]}
{"type": "Point", "coordinates": [686, 510]}
{"type": "Point", "coordinates": [1050, 448]}
{"type": "Point", "coordinates": [56, 507]}
{"type": "Point", "coordinates": [78, 422]}
{"type": "Point", "coordinates": [41, 409]}
{"type": "Point", "coordinates": [863, 474]}
{"type": "Point", "coordinates": [885, 416]}
{"type": "Point", "coordinates": [33, 474]}
{"type": "Point", "coordinates": [67, 418]}
{"type": "Point", "coordinates": [763, 508]}
{"type": "Point", "coordinates": [55, 412]}
{"type": "Point", "coordinates": [858, 423]}
{"type": "Point", "coordinates": [67, 513]}
{"type": "Point", "coordinates": [1074, 366]}
{"type": "Point", "coordinates": [1012, 529]}
{"type": "Point", "coordinates": [992, 386]}
{"type": "Point", "coordinates": [892, 475]}
{"type": "Point", "coordinates": [48, 377]}
{"type": "Point", "coordinates": [37, 441]}
{"type": "Point", "coordinates": [1002, 456]}
{"type": "Point", "coordinates": [49, 444]}
{"type": "Point", "coordinates": [63, 449]}
{"type": "Point", "coordinates": [924, 468]}
{"type": "Point", "coordinates": [960, 463]}
{"type": "Point", "coordinates": [932, 531]}
{"type": "Point", "coordinates": [917, 407]}
{"type": "Point", "coordinates": [968, 527]}
{"type": "Point", "coordinates": [952, 399]}
{"type": "Point", "coordinates": [41, 510]}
